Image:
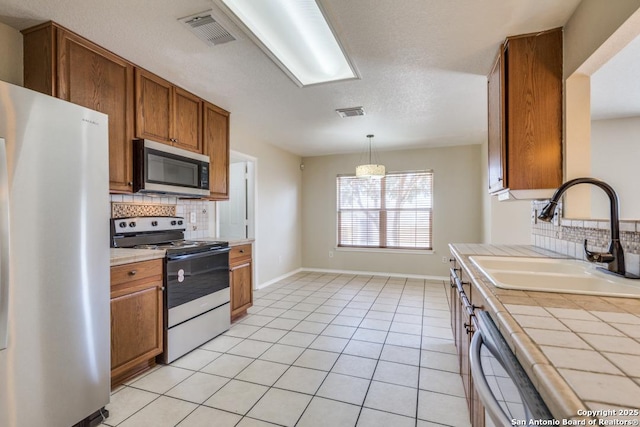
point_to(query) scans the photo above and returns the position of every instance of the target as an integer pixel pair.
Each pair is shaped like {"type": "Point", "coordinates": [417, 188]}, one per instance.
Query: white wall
{"type": "Point", "coordinates": [457, 209]}
{"type": "Point", "coordinates": [577, 136]}
{"type": "Point", "coordinates": [587, 34]}
{"type": "Point", "coordinates": [278, 228]}
{"type": "Point", "coordinates": [595, 33]}
{"type": "Point", "coordinates": [510, 222]}
{"type": "Point", "coordinates": [11, 54]}
{"type": "Point", "coordinates": [615, 151]}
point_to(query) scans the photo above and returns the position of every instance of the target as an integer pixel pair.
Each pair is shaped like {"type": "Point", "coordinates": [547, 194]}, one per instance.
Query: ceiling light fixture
{"type": "Point", "coordinates": [370, 170]}
{"type": "Point", "coordinates": [296, 35]}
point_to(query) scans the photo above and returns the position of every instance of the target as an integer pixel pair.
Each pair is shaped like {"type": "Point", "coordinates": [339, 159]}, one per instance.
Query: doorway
{"type": "Point", "coordinates": [236, 216]}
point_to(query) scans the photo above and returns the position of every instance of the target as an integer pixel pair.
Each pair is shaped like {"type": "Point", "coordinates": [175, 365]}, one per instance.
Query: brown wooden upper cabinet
{"type": "Point", "coordinates": [140, 104]}
{"type": "Point", "coordinates": [525, 113]}
{"type": "Point", "coordinates": [166, 113]}
{"type": "Point", "coordinates": [216, 146]}
{"type": "Point", "coordinates": [62, 64]}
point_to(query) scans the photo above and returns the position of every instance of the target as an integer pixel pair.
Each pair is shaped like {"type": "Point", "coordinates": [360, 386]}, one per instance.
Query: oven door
{"type": "Point", "coordinates": [195, 284]}
{"type": "Point", "coordinates": [502, 384]}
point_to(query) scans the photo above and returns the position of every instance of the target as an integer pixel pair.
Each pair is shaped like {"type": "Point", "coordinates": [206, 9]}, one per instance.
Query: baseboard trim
{"type": "Point", "coordinates": [375, 273]}
{"type": "Point", "coordinates": [356, 272]}
{"type": "Point", "coordinates": [277, 279]}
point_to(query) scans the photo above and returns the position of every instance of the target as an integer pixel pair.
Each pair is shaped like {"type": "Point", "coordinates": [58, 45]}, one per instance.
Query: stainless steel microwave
{"type": "Point", "coordinates": [163, 169]}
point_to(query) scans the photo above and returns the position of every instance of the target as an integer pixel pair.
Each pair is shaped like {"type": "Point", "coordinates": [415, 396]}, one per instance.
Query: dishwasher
{"type": "Point", "coordinates": [503, 386]}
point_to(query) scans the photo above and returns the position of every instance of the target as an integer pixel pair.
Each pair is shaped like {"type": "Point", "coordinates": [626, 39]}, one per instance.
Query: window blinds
{"type": "Point", "coordinates": [392, 212]}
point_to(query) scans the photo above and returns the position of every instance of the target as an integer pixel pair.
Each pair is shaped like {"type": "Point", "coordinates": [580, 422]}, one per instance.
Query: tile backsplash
{"type": "Point", "coordinates": [568, 237]}
{"type": "Point", "coordinates": [202, 211]}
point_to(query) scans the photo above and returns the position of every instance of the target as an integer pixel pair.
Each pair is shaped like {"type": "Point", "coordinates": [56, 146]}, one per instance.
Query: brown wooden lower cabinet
{"type": "Point", "coordinates": [240, 279]}
{"type": "Point", "coordinates": [461, 322]}
{"type": "Point", "coordinates": [136, 318]}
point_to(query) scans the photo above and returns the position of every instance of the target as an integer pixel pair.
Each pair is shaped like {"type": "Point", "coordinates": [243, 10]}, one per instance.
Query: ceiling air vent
{"type": "Point", "coordinates": [207, 28]}
{"type": "Point", "coordinates": [350, 112]}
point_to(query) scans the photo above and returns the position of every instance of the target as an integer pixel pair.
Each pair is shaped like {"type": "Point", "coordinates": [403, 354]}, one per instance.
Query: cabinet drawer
{"type": "Point", "coordinates": [240, 252]}
{"type": "Point", "coordinates": [122, 274]}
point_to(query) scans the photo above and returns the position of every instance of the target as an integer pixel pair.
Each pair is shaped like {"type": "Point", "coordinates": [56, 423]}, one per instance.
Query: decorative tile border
{"type": "Point", "coordinates": [125, 205]}
{"type": "Point", "coordinates": [123, 210]}
{"type": "Point", "coordinates": [568, 237]}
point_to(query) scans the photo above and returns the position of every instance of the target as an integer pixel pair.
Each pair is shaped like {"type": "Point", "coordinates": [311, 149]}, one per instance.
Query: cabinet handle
{"type": "Point", "coordinates": [133, 272]}
{"type": "Point", "coordinates": [130, 183]}
{"type": "Point", "coordinates": [241, 251]}
{"type": "Point", "coordinates": [500, 179]}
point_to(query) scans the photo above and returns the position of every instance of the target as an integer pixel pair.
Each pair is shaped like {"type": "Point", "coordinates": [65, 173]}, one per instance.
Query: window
{"type": "Point", "coordinates": [392, 212]}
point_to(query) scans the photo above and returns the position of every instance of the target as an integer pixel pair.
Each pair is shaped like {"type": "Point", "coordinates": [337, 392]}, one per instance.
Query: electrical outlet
{"type": "Point", "coordinates": [192, 218]}
{"type": "Point", "coordinates": [445, 260]}
{"type": "Point", "coordinates": [557, 215]}
{"type": "Point", "coordinates": [330, 254]}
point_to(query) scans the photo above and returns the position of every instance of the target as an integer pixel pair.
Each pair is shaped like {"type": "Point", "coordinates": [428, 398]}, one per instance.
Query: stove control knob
{"type": "Point", "coordinates": [154, 223]}
{"type": "Point", "coordinates": [179, 222]}
{"type": "Point", "coordinates": [132, 224]}
{"type": "Point", "coordinates": [173, 223]}
{"type": "Point", "coordinates": [122, 224]}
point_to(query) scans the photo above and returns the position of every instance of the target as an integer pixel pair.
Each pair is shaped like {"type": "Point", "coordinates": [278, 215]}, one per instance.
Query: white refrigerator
{"type": "Point", "coordinates": [54, 261]}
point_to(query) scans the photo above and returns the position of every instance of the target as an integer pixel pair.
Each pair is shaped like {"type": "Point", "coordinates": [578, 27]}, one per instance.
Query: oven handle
{"type": "Point", "coordinates": [215, 251]}
{"type": "Point", "coordinates": [4, 245]}
{"type": "Point", "coordinates": [489, 401]}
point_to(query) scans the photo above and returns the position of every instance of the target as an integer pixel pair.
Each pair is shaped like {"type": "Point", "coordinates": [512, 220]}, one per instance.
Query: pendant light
{"type": "Point", "coordinates": [370, 170]}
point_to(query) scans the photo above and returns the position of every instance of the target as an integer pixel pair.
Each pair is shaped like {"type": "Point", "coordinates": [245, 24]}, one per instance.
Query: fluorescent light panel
{"type": "Point", "coordinates": [297, 36]}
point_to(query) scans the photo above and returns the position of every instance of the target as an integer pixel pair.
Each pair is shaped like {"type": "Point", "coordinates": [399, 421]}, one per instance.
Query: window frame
{"type": "Point", "coordinates": [382, 217]}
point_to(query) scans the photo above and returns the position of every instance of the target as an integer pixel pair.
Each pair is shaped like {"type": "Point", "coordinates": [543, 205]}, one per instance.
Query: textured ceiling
{"type": "Point", "coordinates": [423, 65]}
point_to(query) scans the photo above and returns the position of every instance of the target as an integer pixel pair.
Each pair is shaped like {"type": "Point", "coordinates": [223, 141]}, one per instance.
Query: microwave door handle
{"type": "Point", "coordinates": [4, 246]}
{"type": "Point", "coordinates": [487, 397]}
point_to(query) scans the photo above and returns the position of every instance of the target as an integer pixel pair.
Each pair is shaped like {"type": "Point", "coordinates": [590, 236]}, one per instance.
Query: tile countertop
{"type": "Point", "coordinates": [582, 352]}
{"type": "Point", "coordinates": [121, 256]}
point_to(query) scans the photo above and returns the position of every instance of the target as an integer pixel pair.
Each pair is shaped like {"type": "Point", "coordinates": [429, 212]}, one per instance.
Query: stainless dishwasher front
{"type": "Point", "coordinates": [506, 391]}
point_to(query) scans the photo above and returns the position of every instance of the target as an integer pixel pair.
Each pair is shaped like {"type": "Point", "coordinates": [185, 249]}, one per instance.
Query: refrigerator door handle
{"type": "Point", "coordinates": [4, 245]}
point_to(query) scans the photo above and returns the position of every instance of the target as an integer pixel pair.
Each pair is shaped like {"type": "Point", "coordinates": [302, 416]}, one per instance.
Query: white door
{"type": "Point", "coordinates": [233, 213]}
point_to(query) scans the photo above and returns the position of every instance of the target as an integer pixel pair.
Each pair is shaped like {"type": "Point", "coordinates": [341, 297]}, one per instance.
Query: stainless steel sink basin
{"type": "Point", "coordinates": [554, 275]}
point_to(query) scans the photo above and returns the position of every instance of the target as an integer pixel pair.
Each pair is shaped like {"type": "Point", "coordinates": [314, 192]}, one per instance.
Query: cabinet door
{"type": "Point", "coordinates": [39, 58]}
{"type": "Point", "coordinates": [95, 78]}
{"type": "Point", "coordinates": [497, 146]}
{"type": "Point", "coordinates": [216, 146]}
{"type": "Point", "coordinates": [187, 121]}
{"type": "Point", "coordinates": [241, 288]}
{"type": "Point", "coordinates": [534, 104]}
{"type": "Point", "coordinates": [136, 327]}
{"type": "Point", "coordinates": [154, 107]}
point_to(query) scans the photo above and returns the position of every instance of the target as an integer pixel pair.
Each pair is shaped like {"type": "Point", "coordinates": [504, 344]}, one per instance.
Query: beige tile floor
{"type": "Point", "coordinates": [315, 350]}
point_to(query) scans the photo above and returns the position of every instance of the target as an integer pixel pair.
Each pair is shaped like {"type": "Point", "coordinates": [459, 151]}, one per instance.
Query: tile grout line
{"type": "Point", "coordinates": [287, 290]}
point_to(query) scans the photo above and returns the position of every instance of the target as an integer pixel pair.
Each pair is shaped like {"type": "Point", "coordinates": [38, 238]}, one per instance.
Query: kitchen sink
{"type": "Point", "coordinates": [554, 275]}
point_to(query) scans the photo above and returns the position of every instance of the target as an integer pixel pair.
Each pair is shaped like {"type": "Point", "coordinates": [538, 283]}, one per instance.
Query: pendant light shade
{"type": "Point", "coordinates": [370, 170]}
